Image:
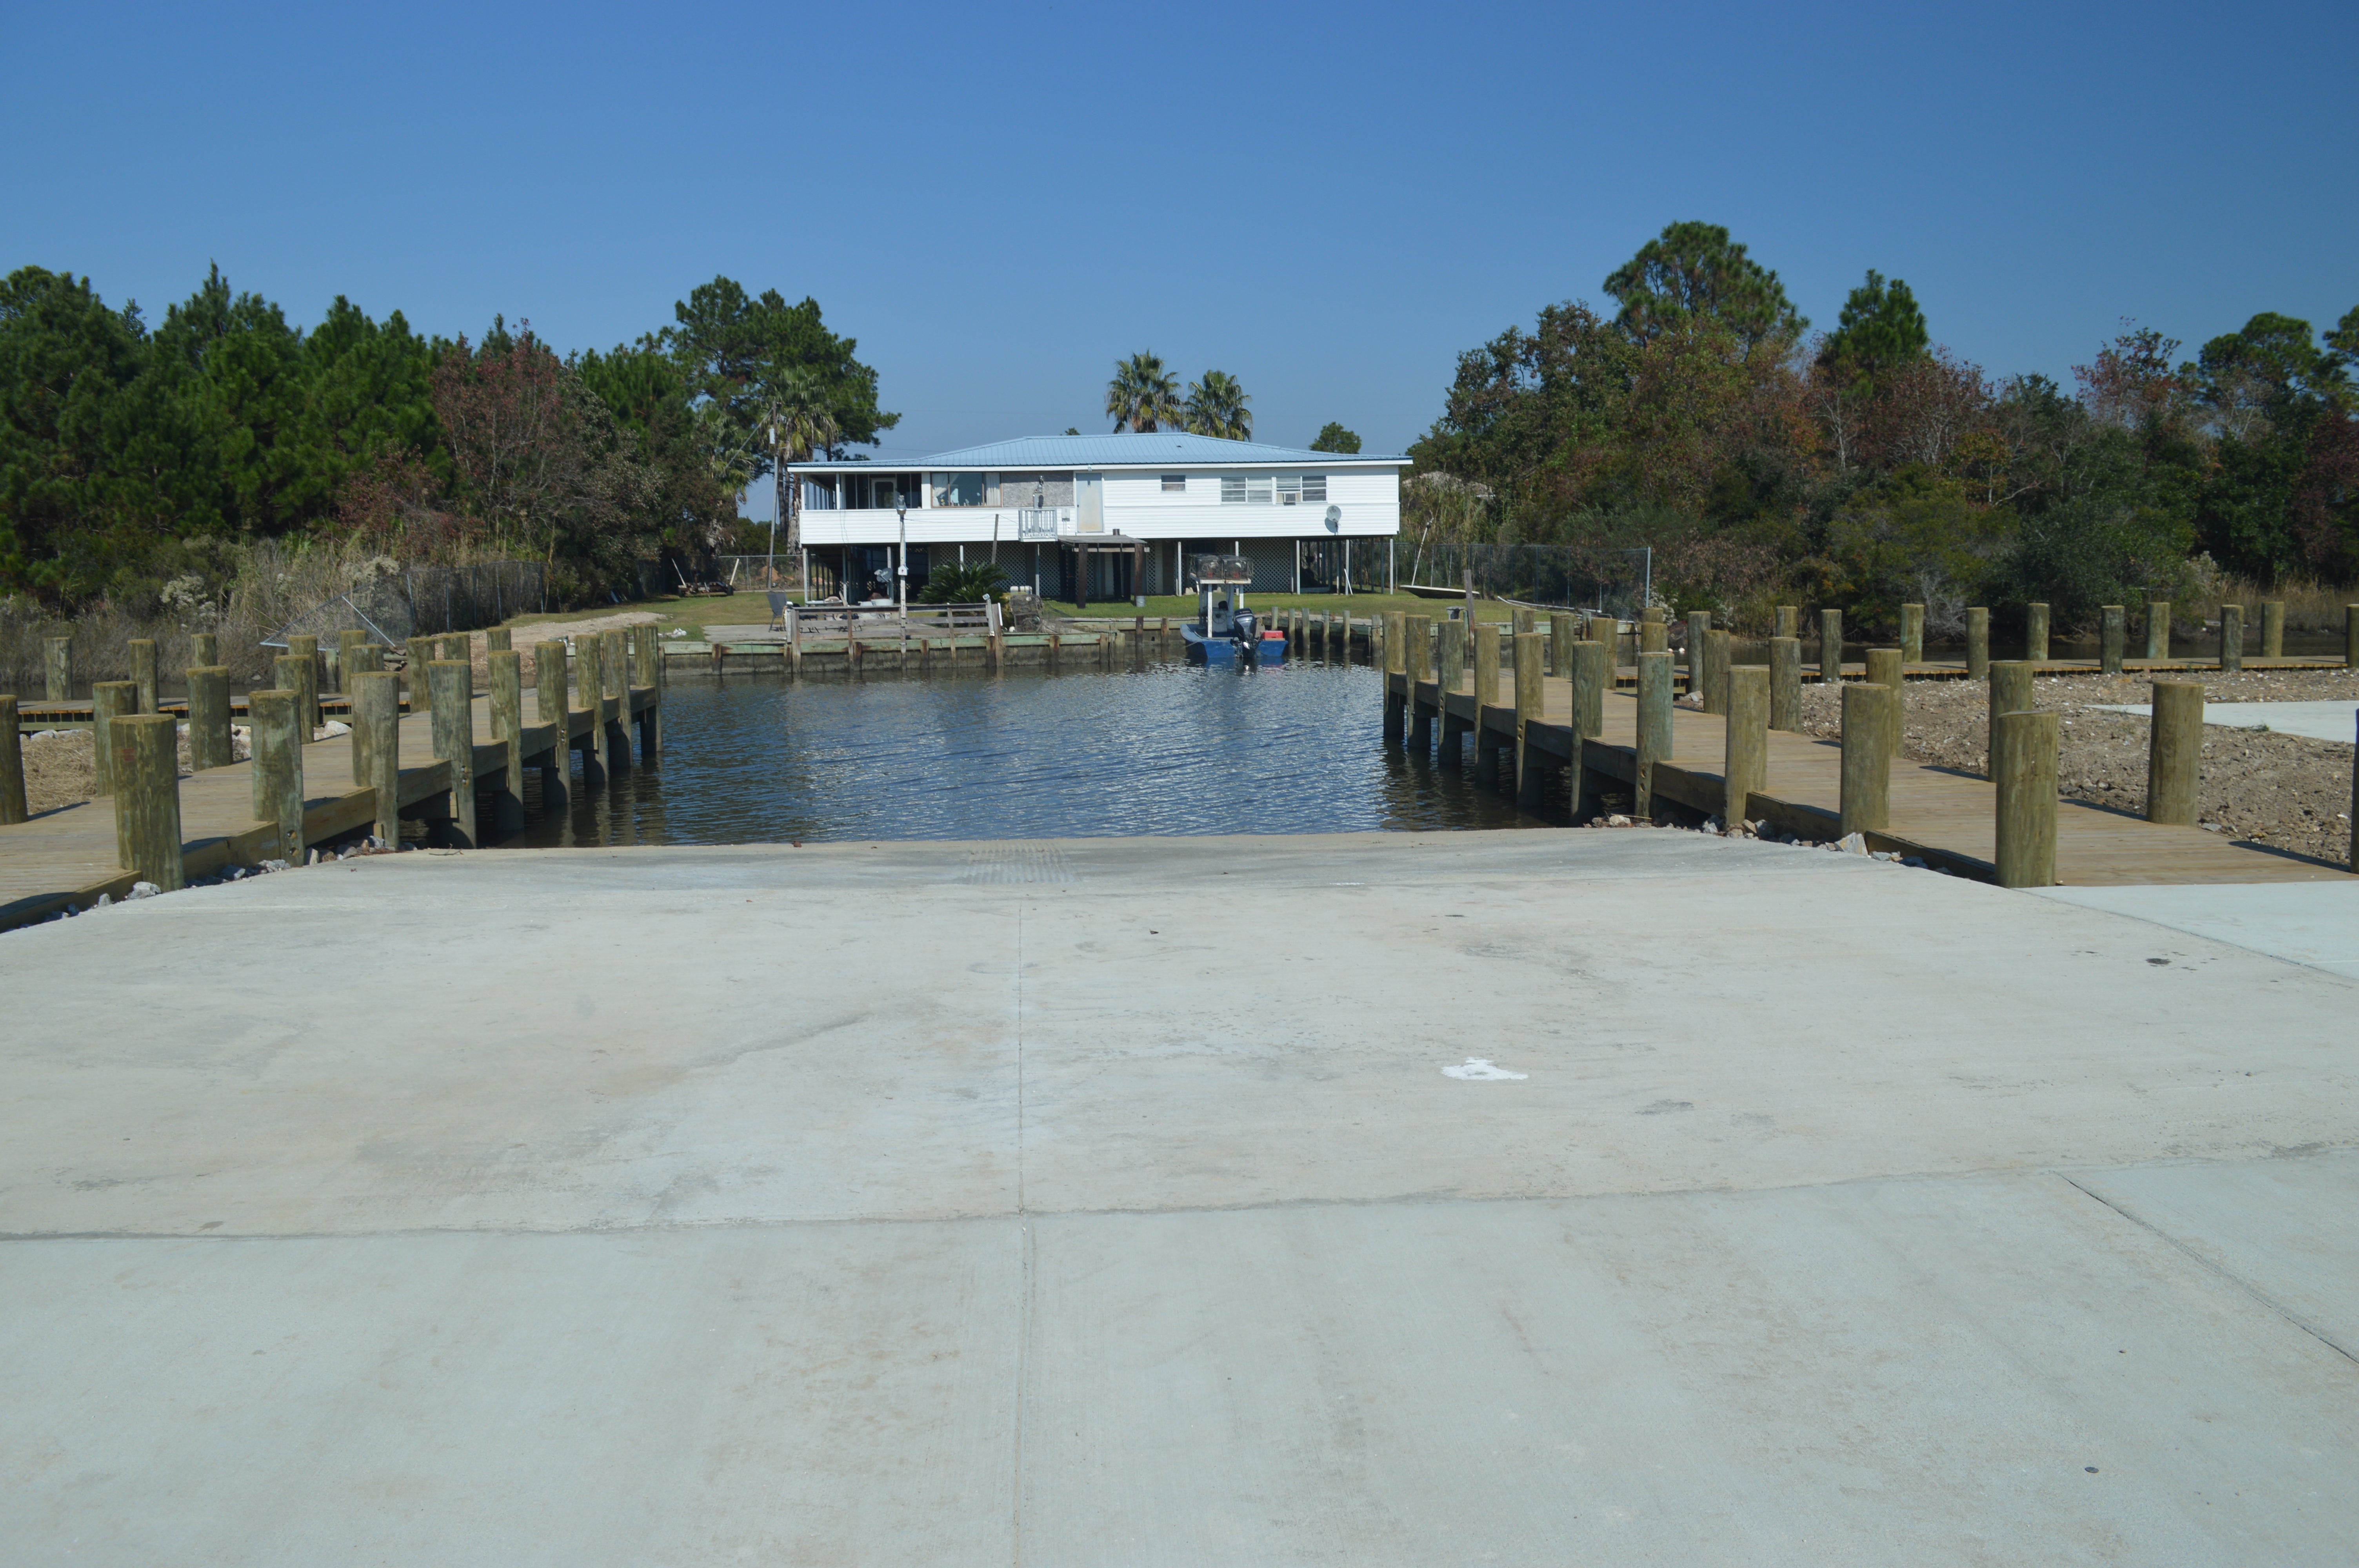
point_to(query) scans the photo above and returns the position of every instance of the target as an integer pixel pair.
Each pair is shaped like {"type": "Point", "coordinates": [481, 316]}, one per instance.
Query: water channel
{"type": "Point", "coordinates": [1162, 751]}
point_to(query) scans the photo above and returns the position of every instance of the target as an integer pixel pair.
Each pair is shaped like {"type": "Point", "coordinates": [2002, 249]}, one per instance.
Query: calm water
{"type": "Point", "coordinates": [1168, 750]}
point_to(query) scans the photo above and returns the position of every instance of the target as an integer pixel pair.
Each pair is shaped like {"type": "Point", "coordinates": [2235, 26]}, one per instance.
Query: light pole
{"type": "Point", "coordinates": [901, 572]}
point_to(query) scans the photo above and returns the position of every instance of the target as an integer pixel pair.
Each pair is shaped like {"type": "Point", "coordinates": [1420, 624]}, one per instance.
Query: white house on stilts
{"type": "Point", "coordinates": [1103, 518]}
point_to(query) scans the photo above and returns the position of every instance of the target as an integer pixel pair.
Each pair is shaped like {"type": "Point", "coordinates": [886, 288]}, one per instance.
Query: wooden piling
{"type": "Point", "coordinates": [1785, 683]}
{"type": "Point", "coordinates": [1486, 695]}
{"type": "Point", "coordinates": [2351, 661]}
{"type": "Point", "coordinates": [299, 673]}
{"type": "Point", "coordinates": [1417, 649]}
{"type": "Point", "coordinates": [1526, 620]}
{"type": "Point", "coordinates": [209, 734]}
{"type": "Point", "coordinates": [1870, 716]}
{"type": "Point", "coordinates": [1654, 637]}
{"type": "Point", "coordinates": [416, 655]}
{"type": "Point", "coordinates": [1719, 655]}
{"type": "Point", "coordinates": [57, 668]}
{"type": "Point", "coordinates": [650, 668]}
{"type": "Point", "coordinates": [204, 648]}
{"type": "Point", "coordinates": [454, 740]}
{"type": "Point", "coordinates": [2231, 637]}
{"type": "Point", "coordinates": [2174, 757]}
{"type": "Point", "coordinates": [348, 643]}
{"type": "Point", "coordinates": [1396, 666]}
{"type": "Point", "coordinates": [143, 673]}
{"type": "Point", "coordinates": [376, 747]}
{"type": "Point", "coordinates": [1789, 621]}
{"type": "Point", "coordinates": [499, 640]}
{"type": "Point", "coordinates": [1698, 627]}
{"type": "Point", "coordinates": [2035, 633]}
{"type": "Point", "coordinates": [306, 647]}
{"type": "Point", "coordinates": [12, 765]}
{"type": "Point", "coordinates": [548, 686]}
{"type": "Point", "coordinates": [2113, 632]}
{"type": "Point", "coordinates": [504, 676]}
{"type": "Point", "coordinates": [1746, 768]}
{"type": "Point", "coordinates": [1830, 636]}
{"type": "Point", "coordinates": [1528, 776]}
{"type": "Point", "coordinates": [1977, 643]}
{"type": "Point", "coordinates": [277, 773]}
{"type": "Point", "coordinates": [1883, 669]}
{"type": "Point", "coordinates": [2027, 802]}
{"type": "Point", "coordinates": [589, 692]}
{"type": "Point", "coordinates": [1591, 675]}
{"type": "Point", "coordinates": [457, 648]}
{"type": "Point", "coordinates": [2010, 692]}
{"type": "Point", "coordinates": [1561, 646]}
{"type": "Point", "coordinates": [1912, 634]}
{"type": "Point", "coordinates": [2273, 628]}
{"type": "Point", "coordinates": [147, 767]}
{"type": "Point", "coordinates": [2158, 629]}
{"type": "Point", "coordinates": [1654, 730]}
{"type": "Point", "coordinates": [1451, 655]}
{"type": "Point", "coordinates": [109, 701]}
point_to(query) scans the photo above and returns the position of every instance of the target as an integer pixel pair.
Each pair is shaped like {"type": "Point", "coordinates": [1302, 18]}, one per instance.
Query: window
{"type": "Point", "coordinates": [1290, 489]}
{"type": "Point", "coordinates": [1259, 489]}
{"type": "Point", "coordinates": [1175, 484]}
{"type": "Point", "coordinates": [959, 490]}
{"type": "Point", "coordinates": [1314, 487]}
{"type": "Point", "coordinates": [1232, 490]}
{"type": "Point", "coordinates": [881, 493]}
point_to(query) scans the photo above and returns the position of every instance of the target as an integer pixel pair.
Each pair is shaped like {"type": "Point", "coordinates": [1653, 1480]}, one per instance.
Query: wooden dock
{"type": "Point", "coordinates": [70, 856]}
{"type": "Point", "coordinates": [1945, 816]}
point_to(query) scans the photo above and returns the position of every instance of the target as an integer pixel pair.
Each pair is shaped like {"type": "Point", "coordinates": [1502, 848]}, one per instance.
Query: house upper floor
{"type": "Point", "coordinates": [1157, 484]}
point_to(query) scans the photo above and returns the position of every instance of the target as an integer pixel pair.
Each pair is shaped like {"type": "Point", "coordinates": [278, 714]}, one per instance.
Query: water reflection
{"type": "Point", "coordinates": [1162, 750]}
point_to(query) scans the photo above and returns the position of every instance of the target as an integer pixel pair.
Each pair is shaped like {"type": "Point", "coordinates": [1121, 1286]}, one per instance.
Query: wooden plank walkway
{"type": "Point", "coordinates": [69, 856]}
{"type": "Point", "coordinates": [1946, 817]}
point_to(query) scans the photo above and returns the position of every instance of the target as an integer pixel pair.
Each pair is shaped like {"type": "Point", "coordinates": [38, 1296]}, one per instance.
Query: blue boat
{"type": "Point", "coordinates": [1224, 632]}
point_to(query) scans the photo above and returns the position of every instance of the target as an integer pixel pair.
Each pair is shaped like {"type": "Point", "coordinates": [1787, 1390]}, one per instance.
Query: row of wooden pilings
{"type": "Point", "coordinates": [1753, 701]}
{"type": "Point", "coordinates": [135, 749]}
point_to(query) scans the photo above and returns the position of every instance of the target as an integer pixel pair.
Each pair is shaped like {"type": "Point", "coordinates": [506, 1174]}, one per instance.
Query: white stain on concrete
{"type": "Point", "coordinates": [1476, 1067]}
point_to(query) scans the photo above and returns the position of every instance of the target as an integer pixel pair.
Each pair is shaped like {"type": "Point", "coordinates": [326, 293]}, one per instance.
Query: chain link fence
{"type": "Point", "coordinates": [1562, 576]}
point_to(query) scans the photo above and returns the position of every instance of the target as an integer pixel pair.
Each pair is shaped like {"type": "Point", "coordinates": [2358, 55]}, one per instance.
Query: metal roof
{"type": "Point", "coordinates": [1125, 449]}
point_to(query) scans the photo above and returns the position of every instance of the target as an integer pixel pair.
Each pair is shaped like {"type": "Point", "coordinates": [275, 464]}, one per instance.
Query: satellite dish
{"type": "Point", "coordinates": [1335, 519]}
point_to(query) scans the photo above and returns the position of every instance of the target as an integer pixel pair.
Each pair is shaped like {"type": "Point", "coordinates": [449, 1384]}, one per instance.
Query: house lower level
{"type": "Point", "coordinates": [1103, 518]}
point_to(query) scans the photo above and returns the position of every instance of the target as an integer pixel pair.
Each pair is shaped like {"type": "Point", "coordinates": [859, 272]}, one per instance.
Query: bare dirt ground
{"type": "Point", "coordinates": [58, 770]}
{"type": "Point", "coordinates": [2285, 791]}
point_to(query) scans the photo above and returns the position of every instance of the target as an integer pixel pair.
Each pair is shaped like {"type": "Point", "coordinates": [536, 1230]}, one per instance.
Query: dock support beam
{"type": "Point", "coordinates": [2010, 692]}
{"type": "Point", "coordinates": [277, 772]}
{"type": "Point", "coordinates": [1592, 671]}
{"type": "Point", "coordinates": [1884, 667]}
{"type": "Point", "coordinates": [1527, 713]}
{"type": "Point", "coordinates": [454, 740]}
{"type": "Point", "coordinates": [1785, 683]}
{"type": "Point", "coordinates": [209, 736]}
{"type": "Point", "coordinates": [306, 650]}
{"type": "Point", "coordinates": [1747, 770]}
{"type": "Point", "coordinates": [1486, 695]}
{"type": "Point", "coordinates": [1654, 730]}
{"type": "Point", "coordinates": [1395, 702]}
{"type": "Point", "coordinates": [1870, 715]}
{"type": "Point", "coordinates": [1699, 628]}
{"type": "Point", "coordinates": [2027, 802]}
{"type": "Point", "coordinates": [12, 765]}
{"type": "Point", "coordinates": [1789, 620]}
{"type": "Point", "coordinates": [504, 673]}
{"type": "Point", "coordinates": [146, 766]}
{"type": "Point", "coordinates": [376, 746]}
{"type": "Point", "coordinates": [1719, 655]}
{"type": "Point", "coordinates": [1417, 652]}
{"type": "Point", "coordinates": [2174, 758]}
{"type": "Point", "coordinates": [549, 689]}
{"type": "Point", "coordinates": [109, 701]}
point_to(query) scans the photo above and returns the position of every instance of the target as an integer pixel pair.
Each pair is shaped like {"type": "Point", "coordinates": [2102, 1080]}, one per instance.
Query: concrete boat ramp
{"type": "Point", "coordinates": [1107, 1201]}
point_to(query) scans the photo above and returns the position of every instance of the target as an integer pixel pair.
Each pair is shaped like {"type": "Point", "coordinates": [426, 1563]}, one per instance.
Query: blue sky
{"type": "Point", "coordinates": [1327, 202]}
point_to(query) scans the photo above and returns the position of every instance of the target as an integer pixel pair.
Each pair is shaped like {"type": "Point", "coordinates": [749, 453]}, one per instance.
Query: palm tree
{"type": "Point", "coordinates": [1143, 395]}
{"type": "Point", "coordinates": [796, 421]}
{"type": "Point", "coordinates": [1216, 406]}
